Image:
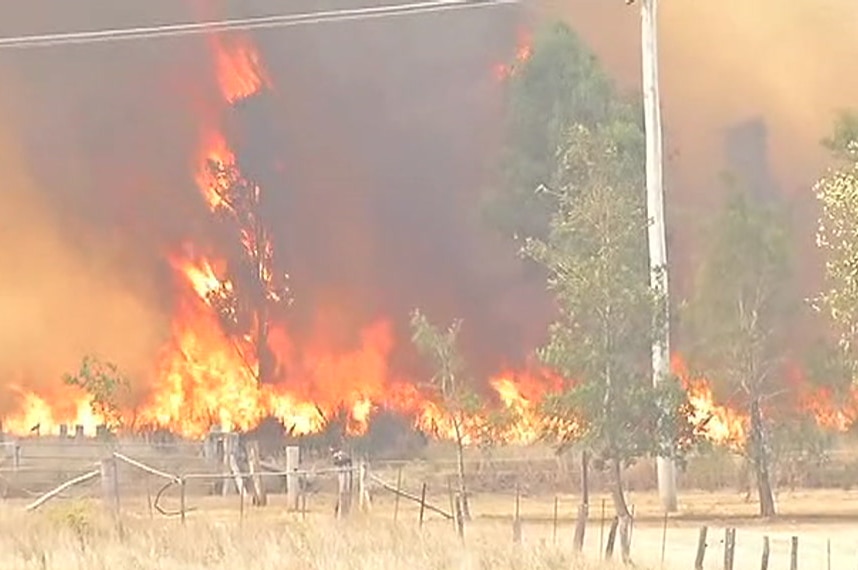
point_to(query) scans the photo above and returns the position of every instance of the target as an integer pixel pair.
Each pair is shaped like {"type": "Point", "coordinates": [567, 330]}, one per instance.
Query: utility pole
{"type": "Point", "coordinates": [666, 468]}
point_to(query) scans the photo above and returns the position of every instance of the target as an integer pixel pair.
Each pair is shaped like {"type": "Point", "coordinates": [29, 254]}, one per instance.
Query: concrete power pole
{"type": "Point", "coordinates": [666, 468]}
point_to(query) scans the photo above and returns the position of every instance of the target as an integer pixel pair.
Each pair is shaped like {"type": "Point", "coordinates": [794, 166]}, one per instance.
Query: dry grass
{"type": "Point", "coordinates": [76, 536]}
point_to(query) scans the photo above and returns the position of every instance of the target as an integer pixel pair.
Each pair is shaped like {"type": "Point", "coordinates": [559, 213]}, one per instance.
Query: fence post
{"type": "Point", "coordinates": [765, 561]}
{"type": "Point", "coordinates": [182, 497]}
{"type": "Point", "coordinates": [701, 548]}
{"type": "Point", "coordinates": [422, 503]}
{"type": "Point", "coordinates": [396, 497]}
{"type": "Point", "coordinates": [110, 484]}
{"type": "Point", "coordinates": [16, 456]}
{"type": "Point", "coordinates": [293, 459]}
{"type": "Point", "coordinates": [793, 554]}
{"type": "Point", "coordinates": [344, 494]}
{"type": "Point", "coordinates": [729, 550]}
{"type": "Point", "coordinates": [260, 496]}
{"type": "Point", "coordinates": [363, 491]}
{"type": "Point", "coordinates": [516, 517]}
{"type": "Point", "coordinates": [459, 515]}
{"type": "Point", "coordinates": [554, 525]}
{"type": "Point", "coordinates": [664, 538]}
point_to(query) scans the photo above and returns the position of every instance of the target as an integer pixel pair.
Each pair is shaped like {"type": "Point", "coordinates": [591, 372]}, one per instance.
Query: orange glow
{"type": "Point", "coordinates": [504, 71]}
{"type": "Point", "coordinates": [828, 413]}
{"type": "Point", "coordinates": [240, 72]}
{"type": "Point", "coordinates": [718, 424]}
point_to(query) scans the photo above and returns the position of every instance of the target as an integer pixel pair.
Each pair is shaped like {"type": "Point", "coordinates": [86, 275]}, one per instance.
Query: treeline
{"type": "Point", "coordinates": [570, 194]}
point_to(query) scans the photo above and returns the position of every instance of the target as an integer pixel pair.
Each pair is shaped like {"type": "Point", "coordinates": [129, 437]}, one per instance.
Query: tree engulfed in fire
{"type": "Point", "coordinates": [206, 376]}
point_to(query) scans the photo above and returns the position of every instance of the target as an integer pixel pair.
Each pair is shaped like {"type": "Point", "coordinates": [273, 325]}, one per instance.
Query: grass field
{"type": "Point", "coordinates": [75, 537]}
{"type": "Point", "coordinates": [76, 534]}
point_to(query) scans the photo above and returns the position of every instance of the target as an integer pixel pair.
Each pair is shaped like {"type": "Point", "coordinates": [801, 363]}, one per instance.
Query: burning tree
{"type": "Point", "coordinates": [245, 303]}
{"type": "Point", "coordinates": [595, 254]}
{"type": "Point", "coordinates": [737, 320]}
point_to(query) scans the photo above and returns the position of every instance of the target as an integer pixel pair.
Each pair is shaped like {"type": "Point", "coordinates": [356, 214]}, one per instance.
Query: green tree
{"type": "Point", "coordinates": [844, 136]}
{"type": "Point", "coordinates": [561, 84]}
{"type": "Point", "coordinates": [837, 237]}
{"type": "Point", "coordinates": [453, 388]}
{"type": "Point", "coordinates": [109, 391]}
{"type": "Point", "coordinates": [737, 321]}
{"type": "Point", "coordinates": [596, 257]}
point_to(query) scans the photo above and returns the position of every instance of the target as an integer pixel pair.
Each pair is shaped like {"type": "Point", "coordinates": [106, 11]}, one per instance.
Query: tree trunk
{"type": "Point", "coordinates": [622, 509]}
{"type": "Point", "coordinates": [760, 459]}
{"type": "Point", "coordinates": [460, 464]}
{"type": "Point", "coordinates": [264, 357]}
{"type": "Point", "coordinates": [584, 507]}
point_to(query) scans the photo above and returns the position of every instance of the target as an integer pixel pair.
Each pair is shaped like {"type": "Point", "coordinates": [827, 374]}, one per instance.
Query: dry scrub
{"type": "Point", "coordinates": [74, 536]}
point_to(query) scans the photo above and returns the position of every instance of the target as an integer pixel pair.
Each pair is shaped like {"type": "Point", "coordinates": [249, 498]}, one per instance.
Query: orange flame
{"type": "Point", "coordinates": [523, 52]}
{"type": "Point", "coordinates": [240, 72]}
{"type": "Point", "coordinates": [718, 424]}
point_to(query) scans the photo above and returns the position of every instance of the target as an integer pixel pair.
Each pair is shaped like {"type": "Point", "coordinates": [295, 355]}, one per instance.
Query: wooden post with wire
{"type": "Point", "coordinates": [701, 548]}
{"type": "Point", "coordinates": [344, 493]}
{"type": "Point", "coordinates": [293, 485]}
{"type": "Point", "coordinates": [110, 484]}
{"type": "Point", "coordinates": [364, 502]}
{"type": "Point", "coordinates": [260, 496]}
{"type": "Point", "coordinates": [422, 503]}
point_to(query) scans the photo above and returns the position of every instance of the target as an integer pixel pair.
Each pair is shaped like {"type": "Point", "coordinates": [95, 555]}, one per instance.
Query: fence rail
{"type": "Point", "coordinates": [717, 548]}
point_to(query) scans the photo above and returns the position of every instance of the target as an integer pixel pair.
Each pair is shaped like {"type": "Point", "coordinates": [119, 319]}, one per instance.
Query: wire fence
{"type": "Point", "coordinates": [132, 478]}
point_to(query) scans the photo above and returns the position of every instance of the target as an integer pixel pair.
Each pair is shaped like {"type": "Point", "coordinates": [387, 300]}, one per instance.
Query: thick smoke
{"type": "Point", "coordinates": [59, 301]}
{"type": "Point", "coordinates": [786, 65]}
{"type": "Point", "coordinates": [372, 151]}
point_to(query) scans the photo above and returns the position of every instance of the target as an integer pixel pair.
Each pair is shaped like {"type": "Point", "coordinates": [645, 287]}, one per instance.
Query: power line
{"type": "Point", "coordinates": [261, 22]}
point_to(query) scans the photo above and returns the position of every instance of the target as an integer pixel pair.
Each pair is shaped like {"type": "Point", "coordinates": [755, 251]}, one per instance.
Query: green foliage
{"type": "Point", "coordinates": [799, 446]}
{"type": "Point", "coordinates": [837, 237]}
{"type": "Point", "coordinates": [440, 347]}
{"type": "Point", "coordinates": [845, 135]}
{"type": "Point", "coordinates": [737, 315]}
{"type": "Point", "coordinates": [598, 270]}
{"type": "Point", "coordinates": [454, 387]}
{"type": "Point", "coordinates": [108, 388]}
{"type": "Point", "coordinates": [559, 86]}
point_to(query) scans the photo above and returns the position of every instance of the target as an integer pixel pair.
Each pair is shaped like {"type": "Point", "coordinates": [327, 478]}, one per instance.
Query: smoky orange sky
{"type": "Point", "coordinates": [57, 301]}
{"type": "Point", "coordinates": [790, 63]}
